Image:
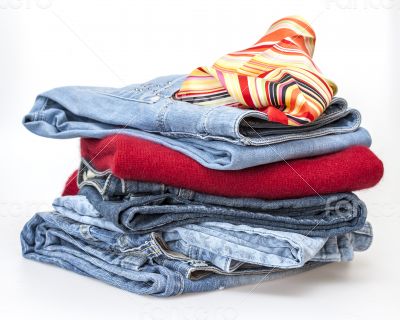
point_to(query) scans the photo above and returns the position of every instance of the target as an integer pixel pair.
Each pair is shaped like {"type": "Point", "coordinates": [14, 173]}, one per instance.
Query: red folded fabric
{"type": "Point", "coordinates": [71, 187]}
{"type": "Point", "coordinates": [135, 159]}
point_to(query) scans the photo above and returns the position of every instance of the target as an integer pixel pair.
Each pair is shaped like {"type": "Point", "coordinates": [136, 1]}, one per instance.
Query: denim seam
{"type": "Point", "coordinates": [255, 142]}
{"type": "Point", "coordinates": [154, 250]}
{"type": "Point", "coordinates": [189, 248]}
{"type": "Point", "coordinates": [169, 85]}
{"type": "Point", "coordinates": [123, 186]}
{"type": "Point", "coordinates": [337, 226]}
{"type": "Point", "coordinates": [90, 183]}
{"type": "Point", "coordinates": [161, 117]}
{"type": "Point", "coordinates": [127, 261]}
{"type": "Point", "coordinates": [75, 242]}
{"type": "Point", "coordinates": [84, 230]}
{"type": "Point", "coordinates": [107, 184]}
{"type": "Point", "coordinates": [204, 120]}
{"type": "Point", "coordinates": [91, 259]}
{"type": "Point", "coordinates": [256, 114]}
{"type": "Point", "coordinates": [370, 236]}
{"type": "Point", "coordinates": [311, 134]}
{"type": "Point", "coordinates": [368, 230]}
{"type": "Point", "coordinates": [101, 174]}
{"type": "Point", "coordinates": [148, 249]}
{"type": "Point", "coordinates": [331, 229]}
{"type": "Point", "coordinates": [216, 270]}
{"type": "Point", "coordinates": [124, 98]}
{"type": "Point", "coordinates": [101, 189]}
{"type": "Point", "coordinates": [40, 116]}
{"type": "Point", "coordinates": [342, 112]}
{"type": "Point", "coordinates": [227, 263]}
{"type": "Point", "coordinates": [180, 134]}
{"type": "Point", "coordinates": [239, 137]}
{"type": "Point", "coordinates": [155, 245]}
{"type": "Point", "coordinates": [143, 247]}
{"type": "Point", "coordinates": [265, 233]}
{"type": "Point", "coordinates": [289, 263]}
{"type": "Point", "coordinates": [44, 104]}
{"type": "Point", "coordinates": [167, 254]}
{"type": "Point", "coordinates": [89, 166]}
{"type": "Point", "coordinates": [182, 284]}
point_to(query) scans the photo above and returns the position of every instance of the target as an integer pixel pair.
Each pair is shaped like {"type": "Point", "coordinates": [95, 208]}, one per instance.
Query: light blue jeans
{"type": "Point", "coordinates": [137, 263]}
{"type": "Point", "coordinates": [145, 264]}
{"type": "Point", "coordinates": [228, 245]}
{"type": "Point", "coordinates": [223, 138]}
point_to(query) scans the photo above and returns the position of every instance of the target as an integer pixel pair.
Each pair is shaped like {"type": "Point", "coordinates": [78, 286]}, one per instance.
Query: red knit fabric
{"type": "Point", "coordinates": [135, 159]}
{"type": "Point", "coordinates": [71, 186]}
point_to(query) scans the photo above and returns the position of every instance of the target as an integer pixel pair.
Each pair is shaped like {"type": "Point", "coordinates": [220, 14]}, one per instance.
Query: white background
{"type": "Point", "coordinates": [50, 43]}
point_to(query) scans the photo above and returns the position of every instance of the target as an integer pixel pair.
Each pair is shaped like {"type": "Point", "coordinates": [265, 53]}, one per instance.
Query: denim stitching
{"type": "Point", "coordinates": [107, 185]}
{"type": "Point", "coordinates": [147, 101]}
{"type": "Point", "coordinates": [123, 186]}
{"type": "Point", "coordinates": [169, 85]}
{"type": "Point", "coordinates": [84, 230]}
{"type": "Point", "coordinates": [161, 117]}
{"type": "Point", "coordinates": [321, 132]}
{"type": "Point", "coordinates": [99, 173]}
{"type": "Point", "coordinates": [205, 117]}
{"type": "Point", "coordinates": [94, 262]}
{"type": "Point", "coordinates": [44, 104]}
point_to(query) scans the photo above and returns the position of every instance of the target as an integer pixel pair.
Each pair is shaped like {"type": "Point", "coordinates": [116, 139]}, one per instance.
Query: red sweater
{"type": "Point", "coordinates": [135, 159]}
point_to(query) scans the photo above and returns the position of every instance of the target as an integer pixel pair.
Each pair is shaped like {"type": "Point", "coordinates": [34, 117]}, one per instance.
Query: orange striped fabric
{"type": "Point", "coordinates": [276, 76]}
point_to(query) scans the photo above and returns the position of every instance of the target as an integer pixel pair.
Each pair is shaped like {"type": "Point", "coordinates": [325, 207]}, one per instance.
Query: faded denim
{"type": "Point", "coordinates": [143, 207]}
{"type": "Point", "coordinates": [222, 138]}
{"type": "Point", "coordinates": [229, 246]}
{"type": "Point", "coordinates": [137, 263]}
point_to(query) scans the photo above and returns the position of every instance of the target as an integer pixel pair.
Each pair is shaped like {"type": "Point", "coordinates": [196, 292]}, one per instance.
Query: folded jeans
{"type": "Point", "coordinates": [137, 263]}
{"type": "Point", "coordinates": [221, 137]}
{"type": "Point", "coordinates": [230, 246]}
{"type": "Point", "coordinates": [142, 207]}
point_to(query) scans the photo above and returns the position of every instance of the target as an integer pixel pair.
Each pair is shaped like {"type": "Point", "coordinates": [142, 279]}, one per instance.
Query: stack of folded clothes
{"type": "Point", "coordinates": [234, 174]}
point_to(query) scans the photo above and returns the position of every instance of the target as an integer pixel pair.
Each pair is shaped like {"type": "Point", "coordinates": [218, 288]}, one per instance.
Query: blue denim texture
{"type": "Point", "coordinates": [143, 207]}
{"type": "Point", "coordinates": [222, 138]}
{"type": "Point", "coordinates": [137, 263]}
{"type": "Point", "coordinates": [229, 246]}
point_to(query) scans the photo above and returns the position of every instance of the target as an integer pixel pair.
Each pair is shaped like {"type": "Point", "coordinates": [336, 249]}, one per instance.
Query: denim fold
{"type": "Point", "coordinates": [145, 264]}
{"type": "Point", "coordinates": [136, 263]}
{"type": "Point", "coordinates": [142, 207]}
{"type": "Point", "coordinates": [221, 137]}
{"type": "Point", "coordinates": [230, 246]}
{"type": "Point", "coordinates": [313, 216]}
